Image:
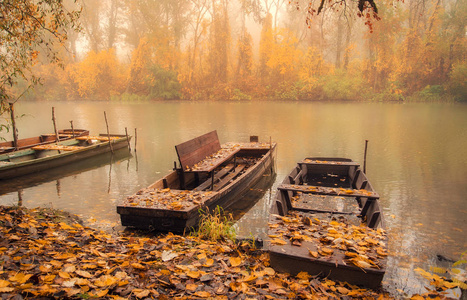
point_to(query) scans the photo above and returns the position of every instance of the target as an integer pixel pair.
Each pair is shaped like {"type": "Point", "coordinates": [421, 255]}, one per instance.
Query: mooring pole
{"type": "Point", "coordinates": [364, 157]}
{"type": "Point", "coordinates": [55, 126]}
{"type": "Point", "coordinates": [13, 123]}
{"type": "Point", "coordinates": [127, 139]}
{"type": "Point", "coordinates": [136, 138]}
{"type": "Point", "coordinates": [72, 129]}
{"type": "Point", "coordinates": [108, 133]}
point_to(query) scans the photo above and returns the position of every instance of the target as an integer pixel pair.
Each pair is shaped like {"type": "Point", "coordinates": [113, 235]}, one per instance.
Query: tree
{"type": "Point", "coordinates": [28, 28]}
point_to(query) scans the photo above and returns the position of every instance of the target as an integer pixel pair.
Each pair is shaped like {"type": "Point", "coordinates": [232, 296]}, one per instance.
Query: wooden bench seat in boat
{"type": "Point", "coordinates": [203, 155]}
{"type": "Point", "coordinates": [56, 147]}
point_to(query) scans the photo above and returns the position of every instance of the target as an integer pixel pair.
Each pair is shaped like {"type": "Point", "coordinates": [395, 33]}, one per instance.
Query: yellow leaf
{"type": "Point", "coordinates": [191, 287]}
{"type": "Point", "coordinates": [342, 290]}
{"type": "Point", "coordinates": [84, 274]}
{"type": "Point", "coordinates": [4, 283]}
{"type": "Point", "coordinates": [6, 289]}
{"type": "Point", "coordinates": [142, 294]}
{"type": "Point", "coordinates": [20, 278]}
{"type": "Point", "coordinates": [449, 285]}
{"type": "Point", "coordinates": [89, 266]}
{"type": "Point", "coordinates": [209, 262]}
{"type": "Point", "coordinates": [122, 282]}
{"type": "Point", "coordinates": [65, 226]}
{"type": "Point", "coordinates": [105, 281]}
{"type": "Point", "coordinates": [460, 284]}
{"type": "Point", "coordinates": [269, 271]}
{"type": "Point", "coordinates": [235, 261]}
{"type": "Point", "coordinates": [438, 270]}
{"type": "Point", "coordinates": [45, 268]}
{"type": "Point", "coordinates": [202, 294]}
{"type": "Point", "coordinates": [49, 278]}
{"type": "Point", "coordinates": [278, 242]}
{"type": "Point", "coordinates": [82, 282]}
{"type": "Point", "coordinates": [313, 253]}
{"type": "Point", "coordinates": [303, 275]}
{"type": "Point", "coordinates": [138, 266]}
{"type": "Point", "coordinates": [193, 274]}
{"type": "Point", "coordinates": [250, 278]}
{"type": "Point", "coordinates": [69, 268]}
{"type": "Point", "coordinates": [64, 275]}
{"type": "Point", "coordinates": [99, 293]}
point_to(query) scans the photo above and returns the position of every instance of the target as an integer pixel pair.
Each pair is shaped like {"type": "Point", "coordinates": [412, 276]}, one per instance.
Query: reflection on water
{"type": "Point", "coordinates": [417, 161]}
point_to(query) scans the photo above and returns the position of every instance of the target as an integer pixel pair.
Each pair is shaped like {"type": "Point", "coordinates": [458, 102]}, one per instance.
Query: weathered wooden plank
{"type": "Point", "coordinates": [56, 147]}
{"type": "Point", "coordinates": [320, 190]}
{"type": "Point", "coordinates": [229, 177]}
{"type": "Point", "coordinates": [217, 177]}
{"type": "Point", "coordinates": [197, 149]}
{"type": "Point", "coordinates": [308, 161]}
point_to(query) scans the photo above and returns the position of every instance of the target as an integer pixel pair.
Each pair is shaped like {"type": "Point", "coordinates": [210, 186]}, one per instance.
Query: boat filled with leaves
{"type": "Point", "coordinates": [326, 221]}
{"type": "Point", "coordinates": [209, 175]}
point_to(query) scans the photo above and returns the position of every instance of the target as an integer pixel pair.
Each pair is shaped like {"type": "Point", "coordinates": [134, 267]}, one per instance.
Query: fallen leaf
{"type": "Point", "coordinates": [168, 255]}
{"type": "Point", "coordinates": [20, 278]}
{"type": "Point", "coordinates": [202, 294]}
{"type": "Point", "coordinates": [235, 261]}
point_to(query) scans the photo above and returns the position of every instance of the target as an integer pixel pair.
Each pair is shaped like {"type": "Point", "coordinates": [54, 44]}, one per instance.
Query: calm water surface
{"type": "Point", "coordinates": [417, 161]}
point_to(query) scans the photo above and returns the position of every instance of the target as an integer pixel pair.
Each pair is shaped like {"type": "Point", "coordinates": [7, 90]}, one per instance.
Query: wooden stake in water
{"type": "Point", "coordinates": [13, 123]}
{"type": "Point", "coordinates": [364, 157]}
{"type": "Point", "coordinates": [72, 129]}
{"type": "Point", "coordinates": [108, 133]}
{"type": "Point", "coordinates": [55, 126]}
{"type": "Point", "coordinates": [127, 139]}
{"type": "Point", "coordinates": [136, 138]}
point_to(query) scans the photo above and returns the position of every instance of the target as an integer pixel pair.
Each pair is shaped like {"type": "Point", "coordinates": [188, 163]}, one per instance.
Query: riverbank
{"type": "Point", "coordinates": [49, 254]}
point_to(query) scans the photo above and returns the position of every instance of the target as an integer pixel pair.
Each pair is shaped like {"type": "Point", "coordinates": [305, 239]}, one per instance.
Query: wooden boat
{"type": "Point", "coordinates": [33, 179]}
{"type": "Point", "coordinates": [52, 155]}
{"type": "Point", "coordinates": [209, 175]}
{"type": "Point", "coordinates": [326, 220]}
{"type": "Point", "coordinates": [43, 139]}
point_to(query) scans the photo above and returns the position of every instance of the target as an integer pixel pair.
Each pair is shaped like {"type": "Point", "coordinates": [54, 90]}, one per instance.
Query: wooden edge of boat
{"type": "Point", "coordinates": [51, 158]}
{"type": "Point", "coordinates": [163, 219]}
{"type": "Point", "coordinates": [292, 259]}
{"type": "Point", "coordinates": [43, 139]}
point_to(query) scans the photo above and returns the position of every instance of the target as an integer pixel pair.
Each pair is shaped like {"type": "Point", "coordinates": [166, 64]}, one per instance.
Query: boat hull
{"type": "Point", "coordinates": [45, 139]}
{"type": "Point", "coordinates": [20, 168]}
{"type": "Point", "coordinates": [321, 181]}
{"type": "Point", "coordinates": [183, 220]}
{"type": "Point", "coordinates": [294, 263]}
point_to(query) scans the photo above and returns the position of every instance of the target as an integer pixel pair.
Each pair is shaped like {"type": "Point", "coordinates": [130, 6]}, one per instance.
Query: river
{"type": "Point", "coordinates": [417, 162]}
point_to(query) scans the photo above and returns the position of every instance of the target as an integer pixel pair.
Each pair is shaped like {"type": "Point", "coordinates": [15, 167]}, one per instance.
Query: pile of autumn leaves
{"type": "Point", "coordinates": [42, 256]}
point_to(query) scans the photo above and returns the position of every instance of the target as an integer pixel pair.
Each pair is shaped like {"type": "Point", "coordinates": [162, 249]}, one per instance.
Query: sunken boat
{"type": "Point", "coordinates": [209, 175]}
{"type": "Point", "coordinates": [52, 155]}
{"type": "Point", "coordinates": [326, 221]}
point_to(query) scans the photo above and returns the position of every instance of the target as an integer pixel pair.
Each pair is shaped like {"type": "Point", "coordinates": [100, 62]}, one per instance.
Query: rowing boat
{"type": "Point", "coordinates": [209, 175]}
{"type": "Point", "coordinates": [326, 221]}
{"type": "Point", "coordinates": [46, 156]}
{"type": "Point", "coordinates": [43, 139]}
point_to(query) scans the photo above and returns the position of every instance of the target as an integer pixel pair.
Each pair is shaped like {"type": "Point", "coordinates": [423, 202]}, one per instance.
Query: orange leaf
{"type": "Point", "coordinates": [193, 274]}
{"type": "Point", "coordinates": [202, 294]}
{"type": "Point", "coordinates": [235, 261]}
{"type": "Point", "coordinates": [209, 262]}
{"type": "Point", "coordinates": [20, 278]}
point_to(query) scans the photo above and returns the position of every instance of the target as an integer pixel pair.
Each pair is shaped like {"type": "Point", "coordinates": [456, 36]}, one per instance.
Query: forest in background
{"type": "Point", "coordinates": [262, 49]}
